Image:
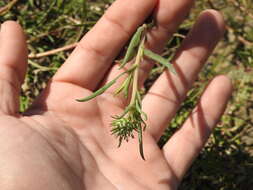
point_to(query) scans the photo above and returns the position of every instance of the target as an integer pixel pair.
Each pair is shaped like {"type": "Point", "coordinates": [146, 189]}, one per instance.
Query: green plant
{"type": "Point", "coordinates": [133, 118]}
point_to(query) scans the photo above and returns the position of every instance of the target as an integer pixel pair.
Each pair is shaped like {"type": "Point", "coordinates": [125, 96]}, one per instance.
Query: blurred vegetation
{"type": "Point", "coordinates": [227, 161]}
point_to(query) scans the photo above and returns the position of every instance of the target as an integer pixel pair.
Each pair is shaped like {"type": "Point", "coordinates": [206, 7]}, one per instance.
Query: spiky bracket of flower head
{"type": "Point", "coordinates": [123, 127]}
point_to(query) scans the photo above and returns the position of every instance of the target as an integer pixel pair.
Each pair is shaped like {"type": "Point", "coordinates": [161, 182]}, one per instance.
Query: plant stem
{"type": "Point", "coordinates": [136, 72]}
{"type": "Point", "coordinates": [52, 52]}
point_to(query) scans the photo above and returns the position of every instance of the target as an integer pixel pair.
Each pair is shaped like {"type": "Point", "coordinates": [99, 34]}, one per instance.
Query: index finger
{"type": "Point", "coordinates": [96, 51]}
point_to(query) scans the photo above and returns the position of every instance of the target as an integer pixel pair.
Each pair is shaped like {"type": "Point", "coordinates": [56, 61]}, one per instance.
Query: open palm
{"type": "Point", "coordinates": [62, 144]}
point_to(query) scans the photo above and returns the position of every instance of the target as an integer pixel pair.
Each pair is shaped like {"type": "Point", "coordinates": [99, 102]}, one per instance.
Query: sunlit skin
{"type": "Point", "coordinates": [63, 144]}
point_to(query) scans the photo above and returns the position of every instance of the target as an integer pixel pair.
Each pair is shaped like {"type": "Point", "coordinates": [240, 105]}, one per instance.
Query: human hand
{"type": "Point", "coordinates": [62, 144]}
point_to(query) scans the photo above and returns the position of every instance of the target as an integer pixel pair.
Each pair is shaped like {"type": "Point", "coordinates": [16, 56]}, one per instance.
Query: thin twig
{"type": "Point", "coordinates": [240, 38]}
{"type": "Point", "coordinates": [40, 67]}
{"type": "Point", "coordinates": [52, 52]}
{"type": "Point", "coordinates": [244, 41]}
{"type": "Point", "coordinates": [41, 35]}
{"type": "Point", "coordinates": [7, 7]}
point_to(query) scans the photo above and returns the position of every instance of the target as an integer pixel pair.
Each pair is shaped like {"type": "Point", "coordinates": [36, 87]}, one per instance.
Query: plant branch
{"type": "Point", "coordinates": [239, 37]}
{"type": "Point", "coordinates": [52, 52]}
{"type": "Point", "coordinates": [7, 7]}
{"type": "Point", "coordinates": [136, 72]}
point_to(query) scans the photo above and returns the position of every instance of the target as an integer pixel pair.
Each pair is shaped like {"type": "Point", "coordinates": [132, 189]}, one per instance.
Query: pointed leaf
{"type": "Point", "coordinates": [159, 59]}
{"type": "Point", "coordinates": [131, 50]}
{"type": "Point", "coordinates": [98, 92]}
{"type": "Point", "coordinates": [123, 114]}
{"type": "Point", "coordinates": [140, 142]}
{"type": "Point", "coordinates": [127, 86]}
{"type": "Point", "coordinates": [124, 86]}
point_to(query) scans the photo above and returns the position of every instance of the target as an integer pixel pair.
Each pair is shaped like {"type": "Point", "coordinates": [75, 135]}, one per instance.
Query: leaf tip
{"type": "Point", "coordinates": [80, 100]}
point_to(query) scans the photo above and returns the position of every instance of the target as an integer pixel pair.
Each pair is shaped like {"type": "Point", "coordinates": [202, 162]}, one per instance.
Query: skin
{"type": "Point", "coordinates": [63, 144]}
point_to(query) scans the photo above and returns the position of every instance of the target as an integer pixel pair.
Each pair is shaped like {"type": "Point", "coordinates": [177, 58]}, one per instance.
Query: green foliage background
{"type": "Point", "coordinates": [227, 161]}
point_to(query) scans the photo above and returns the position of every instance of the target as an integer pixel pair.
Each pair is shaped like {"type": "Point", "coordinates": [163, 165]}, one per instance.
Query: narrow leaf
{"type": "Point", "coordinates": [140, 142]}
{"type": "Point", "coordinates": [126, 87]}
{"type": "Point", "coordinates": [159, 59]}
{"type": "Point", "coordinates": [131, 50]}
{"type": "Point", "coordinates": [139, 107]}
{"type": "Point", "coordinates": [98, 92]}
{"type": "Point", "coordinates": [123, 114]}
{"type": "Point", "coordinates": [119, 90]}
{"type": "Point", "coordinates": [120, 142]}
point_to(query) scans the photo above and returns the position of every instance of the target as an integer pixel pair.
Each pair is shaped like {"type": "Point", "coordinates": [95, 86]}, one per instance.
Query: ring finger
{"type": "Point", "coordinates": [167, 93]}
